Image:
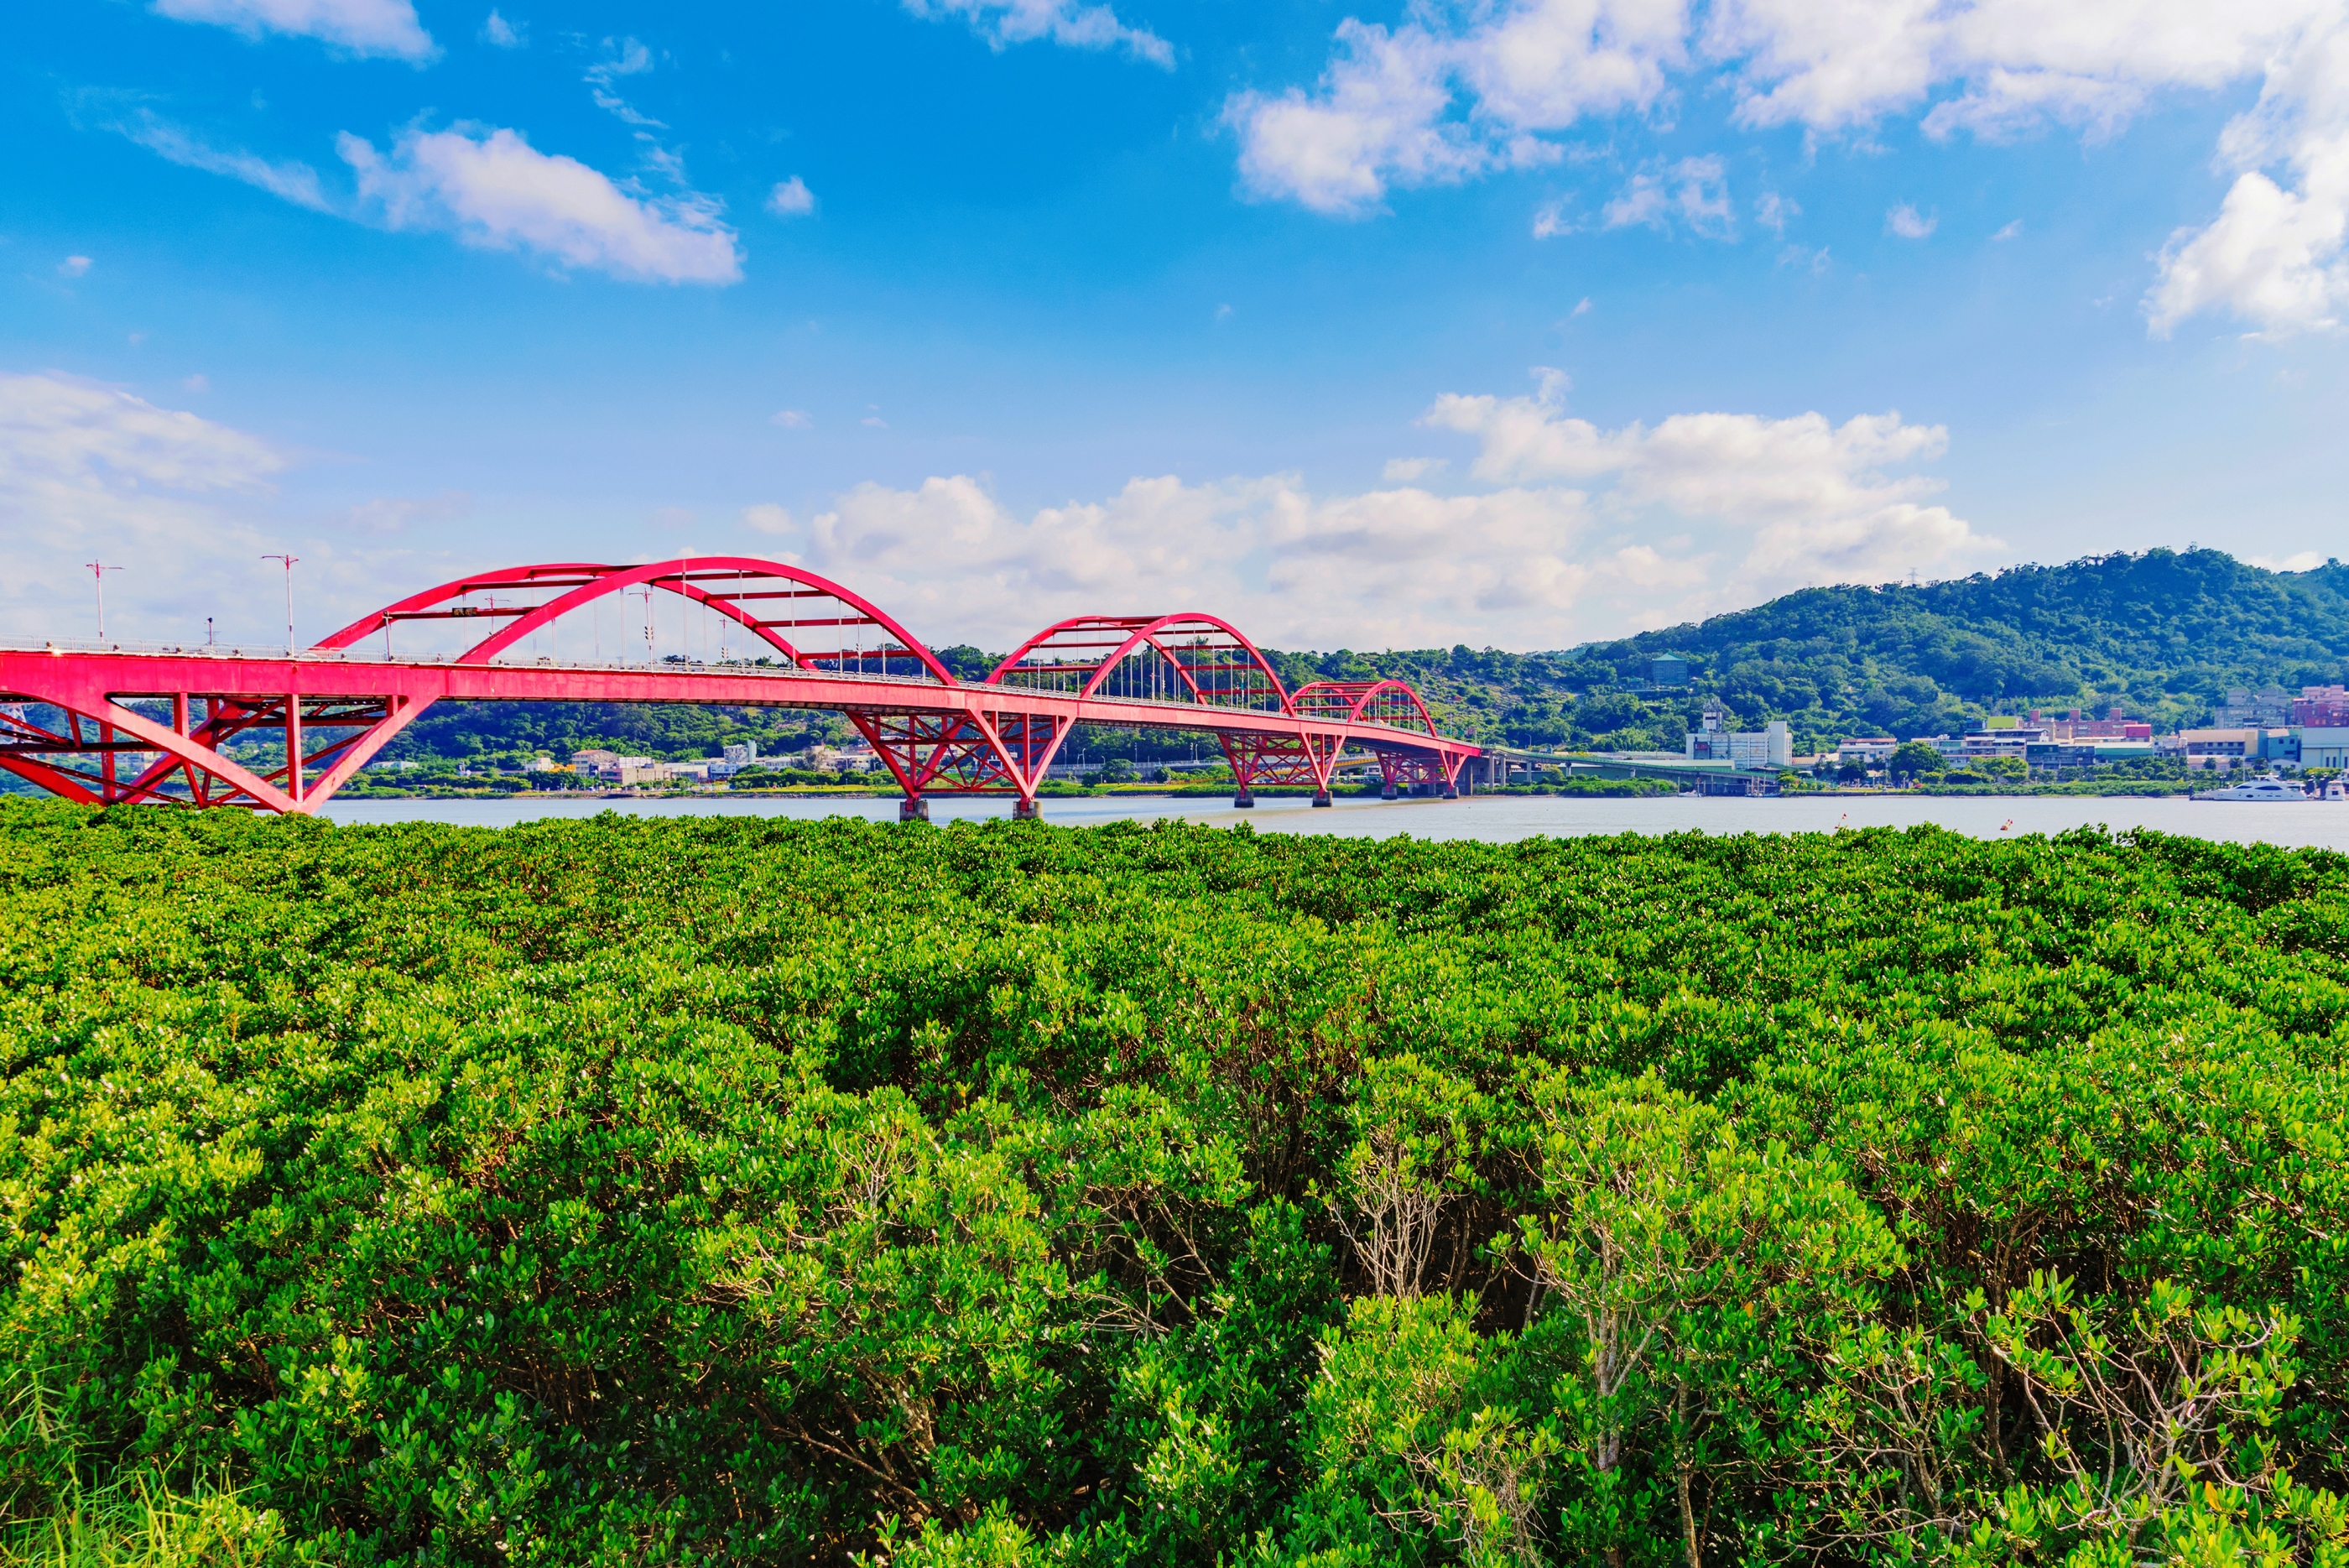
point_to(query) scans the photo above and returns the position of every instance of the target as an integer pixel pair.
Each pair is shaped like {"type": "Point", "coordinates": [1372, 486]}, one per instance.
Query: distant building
{"type": "Point", "coordinates": [2219, 750]}
{"type": "Point", "coordinates": [743, 754]}
{"type": "Point", "coordinates": [631, 771]}
{"type": "Point", "coordinates": [1667, 669]}
{"type": "Point", "coordinates": [2268, 708]}
{"type": "Point", "coordinates": [594, 761]}
{"type": "Point", "coordinates": [1772, 746]}
{"type": "Point", "coordinates": [2322, 708]}
{"type": "Point", "coordinates": [2002, 735]}
{"type": "Point", "coordinates": [2077, 726]}
{"type": "Point", "coordinates": [1868, 751]}
{"type": "Point", "coordinates": [2324, 746]}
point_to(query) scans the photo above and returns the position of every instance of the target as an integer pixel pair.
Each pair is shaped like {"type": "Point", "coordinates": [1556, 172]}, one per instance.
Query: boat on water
{"type": "Point", "coordinates": [2269, 788]}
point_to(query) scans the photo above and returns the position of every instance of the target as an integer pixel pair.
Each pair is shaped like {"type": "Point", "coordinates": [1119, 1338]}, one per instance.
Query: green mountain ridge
{"type": "Point", "coordinates": [2161, 634]}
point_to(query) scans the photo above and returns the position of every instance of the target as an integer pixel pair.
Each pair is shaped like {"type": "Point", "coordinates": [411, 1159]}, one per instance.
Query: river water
{"type": "Point", "coordinates": [1493, 819]}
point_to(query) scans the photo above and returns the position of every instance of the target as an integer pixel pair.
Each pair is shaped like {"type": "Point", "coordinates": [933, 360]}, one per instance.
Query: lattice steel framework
{"type": "Point", "coordinates": [205, 727]}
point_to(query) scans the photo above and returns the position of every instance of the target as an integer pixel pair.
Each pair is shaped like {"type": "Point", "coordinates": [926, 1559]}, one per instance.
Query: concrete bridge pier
{"type": "Point", "coordinates": [1244, 799]}
{"type": "Point", "coordinates": [913, 810]}
{"type": "Point", "coordinates": [1321, 797]}
{"type": "Point", "coordinates": [1026, 811]}
{"type": "Point", "coordinates": [1387, 790]}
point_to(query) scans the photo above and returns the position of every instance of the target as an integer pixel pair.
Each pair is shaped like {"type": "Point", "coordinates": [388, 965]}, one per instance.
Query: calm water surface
{"type": "Point", "coordinates": [1495, 819]}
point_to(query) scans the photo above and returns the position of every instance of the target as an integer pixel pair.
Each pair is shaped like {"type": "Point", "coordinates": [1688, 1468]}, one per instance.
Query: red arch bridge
{"type": "Point", "coordinates": [281, 732]}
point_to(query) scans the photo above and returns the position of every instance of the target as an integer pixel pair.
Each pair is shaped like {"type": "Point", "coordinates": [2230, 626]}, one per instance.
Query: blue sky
{"type": "Point", "coordinates": [1515, 323]}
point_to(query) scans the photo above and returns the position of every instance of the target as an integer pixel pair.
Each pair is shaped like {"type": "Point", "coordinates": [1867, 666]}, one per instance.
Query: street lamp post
{"type": "Point", "coordinates": [98, 570]}
{"type": "Point", "coordinates": [289, 561]}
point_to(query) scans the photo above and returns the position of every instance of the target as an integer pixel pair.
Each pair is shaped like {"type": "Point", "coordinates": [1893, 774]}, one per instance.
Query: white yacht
{"type": "Point", "coordinates": [2269, 788]}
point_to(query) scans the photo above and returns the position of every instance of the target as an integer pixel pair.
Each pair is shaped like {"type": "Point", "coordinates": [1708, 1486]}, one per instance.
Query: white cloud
{"type": "Point", "coordinates": [499, 33]}
{"type": "Point", "coordinates": [73, 266]}
{"type": "Point", "coordinates": [1461, 90]}
{"type": "Point", "coordinates": [1431, 104]}
{"type": "Point", "coordinates": [1571, 531]}
{"type": "Point", "coordinates": [294, 183]}
{"type": "Point", "coordinates": [1907, 222]}
{"type": "Point", "coordinates": [2012, 230]}
{"type": "Point", "coordinates": [199, 382]}
{"type": "Point", "coordinates": [791, 418]}
{"type": "Point", "coordinates": [1773, 212]}
{"type": "Point", "coordinates": [1409, 469]}
{"type": "Point", "coordinates": [674, 517]}
{"type": "Point", "coordinates": [1832, 65]}
{"type": "Point", "coordinates": [90, 473]}
{"type": "Point", "coordinates": [393, 514]}
{"type": "Point", "coordinates": [1814, 495]}
{"type": "Point", "coordinates": [625, 57]}
{"type": "Point", "coordinates": [792, 198]}
{"type": "Point", "coordinates": [1003, 23]}
{"type": "Point", "coordinates": [2302, 561]}
{"type": "Point", "coordinates": [874, 421]}
{"type": "Point", "coordinates": [1694, 191]}
{"type": "Point", "coordinates": [496, 190]}
{"type": "Point", "coordinates": [2275, 255]}
{"type": "Point", "coordinates": [354, 27]}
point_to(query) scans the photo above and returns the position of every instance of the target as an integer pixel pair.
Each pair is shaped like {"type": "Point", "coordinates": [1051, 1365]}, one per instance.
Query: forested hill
{"type": "Point", "coordinates": [2162, 635]}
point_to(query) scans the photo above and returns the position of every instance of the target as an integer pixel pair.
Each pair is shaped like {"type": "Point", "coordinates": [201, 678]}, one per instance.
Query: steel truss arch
{"type": "Point", "coordinates": [1187, 657]}
{"type": "Point", "coordinates": [160, 723]}
{"type": "Point", "coordinates": [586, 582]}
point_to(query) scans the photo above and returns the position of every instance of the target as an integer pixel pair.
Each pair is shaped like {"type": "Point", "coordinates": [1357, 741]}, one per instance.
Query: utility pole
{"type": "Point", "coordinates": [289, 561]}
{"type": "Point", "coordinates": [98, 571]}
{"type": "Point", "coordinates": [646, 590]}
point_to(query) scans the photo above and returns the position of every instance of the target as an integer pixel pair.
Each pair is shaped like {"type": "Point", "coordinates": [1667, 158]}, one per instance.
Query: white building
{"type": "Point", "coordinates": [1772, 746]}
{"type": "Point", "coordinates": [2324, 747]}
{"type": "Point", "coordinates": [1868, 750]}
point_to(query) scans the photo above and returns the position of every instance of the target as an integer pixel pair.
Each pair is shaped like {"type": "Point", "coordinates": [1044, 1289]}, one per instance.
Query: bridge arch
{"type": "Point", "coordinates": [1387, 704]}
{"type": "Point", "coordinates": [738, 580]}
{"type": "Point", "coordinates": [1208, 658]}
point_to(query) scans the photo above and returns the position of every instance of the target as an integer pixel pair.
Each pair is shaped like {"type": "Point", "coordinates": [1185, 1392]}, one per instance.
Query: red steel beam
{"type": "Point", "coordinates": [84, 683]}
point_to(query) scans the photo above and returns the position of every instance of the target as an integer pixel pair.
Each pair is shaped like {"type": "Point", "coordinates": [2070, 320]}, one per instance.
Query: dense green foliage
{"type": "Point", "coordinates": [638, 1190]}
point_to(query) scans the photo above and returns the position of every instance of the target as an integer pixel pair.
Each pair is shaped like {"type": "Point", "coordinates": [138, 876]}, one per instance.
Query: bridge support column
{"type": "Point", "coordinates": [1244, 799]}
{"type": "Point", "coordinates": [1387, 790]}
{"type": "Point", "coordinates": [1027, 811]}
{"type": "Point", "coordinates": [913, 808]}
{"type": "Point", "coordinates": [1321, 797]}
{"type": "Point", "coordinates": [1451, 791]}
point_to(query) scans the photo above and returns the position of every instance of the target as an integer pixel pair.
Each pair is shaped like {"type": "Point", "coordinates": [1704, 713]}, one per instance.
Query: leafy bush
{"type": "Point", "coordinates": [638, 1190]}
